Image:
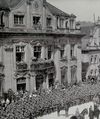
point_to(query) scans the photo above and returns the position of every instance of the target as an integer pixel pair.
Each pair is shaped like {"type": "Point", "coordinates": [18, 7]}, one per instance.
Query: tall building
{"type": "Point", "coordinates": [40, 44]}
{"type": "Point", "coordinates": [91, 52]}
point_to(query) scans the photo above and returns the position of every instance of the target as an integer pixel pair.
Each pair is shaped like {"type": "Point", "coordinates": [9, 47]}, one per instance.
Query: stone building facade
{"type": "Point", "coordinates": [39, 45]}
{"type": "Point", "coordinates": [91, 53]}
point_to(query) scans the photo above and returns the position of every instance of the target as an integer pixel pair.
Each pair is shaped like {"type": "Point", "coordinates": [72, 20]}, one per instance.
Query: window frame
{"type": "Point", "coordinates": [35, 22]}
{"type": "Point", "coordinates": [20, 49]}
{"type": "Point", "coordinates": [50, 51]}
{"type": "Point", "coordinates": [48, 21]}
{"type": "Point", "coordinates": [62, 51]}
{"type": "Point", "coordinates": [19, 20]}
{"type": "Point", "coordinates": [72, 50]}
{"type": "Point", "coordinates": [37, 49]}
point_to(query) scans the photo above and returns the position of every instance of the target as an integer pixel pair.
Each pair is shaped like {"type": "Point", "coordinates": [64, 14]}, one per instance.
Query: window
{"type": "Point", "coordinates": [51, 80]}
{"type": "Point", "coordinates": [49, 52]}
{"type": "Point", "coordinates": [95, 60]}
{"type": "Point", "coordinates": [91, 59]}
{"type": "Point", "coordinates": [37, 51]}
{"type": "Point", "coordinates": [20, 53]}
{"type": "Point", "coordinates": [18, 19]}
{"type": "Point", "coordinates": [71, 24]}
{"type": "Point", "coordinates": [62, 51]}
{"type": "Point", "coordinates": [66, 24]}
{"type": "Point", "coordinates": [48, 22]}
{"type": "Point", "coordinates": [72, 50]}
{"type": "Point", "coordinates": [21, 84]}
{"type": "Point", "coordinates": [39, 81]}
{"type": "Point", "coordinates": [61, 23]}
{"type": "Point", "coordinates": [36, 20]}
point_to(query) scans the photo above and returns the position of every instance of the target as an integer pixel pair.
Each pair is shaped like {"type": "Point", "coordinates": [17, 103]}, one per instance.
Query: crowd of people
{"type": "Point", "coordinates": [29, 106]}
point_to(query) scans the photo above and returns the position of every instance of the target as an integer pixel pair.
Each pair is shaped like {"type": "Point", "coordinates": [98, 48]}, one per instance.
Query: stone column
{"type": "Point", "coordinates": [75, 50]}
{"type": "Point", "coordinates": [33, 82]}
{"type": "Point", "coordinates": [79, 64]}
{"type": "Point", "coordinates": [27, 84]}
{"type": "Point", "coordinates": [57, 65]}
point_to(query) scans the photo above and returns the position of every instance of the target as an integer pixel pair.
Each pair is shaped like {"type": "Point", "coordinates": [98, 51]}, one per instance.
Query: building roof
{"type": "Point", "coordinates": [14, 3]}
{"type": "Point", "coordinates": [4, 5]}
{"type": "Point", "coordinates": [56, 11]}
{"type": "Point", "coordinates": [53, 9]}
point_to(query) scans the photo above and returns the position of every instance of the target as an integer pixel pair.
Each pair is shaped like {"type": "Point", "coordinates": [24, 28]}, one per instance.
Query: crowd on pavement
{"type": "Point", "coordinates": [30, 106]}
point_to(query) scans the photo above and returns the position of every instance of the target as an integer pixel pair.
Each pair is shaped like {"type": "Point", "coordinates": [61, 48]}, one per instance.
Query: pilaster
{"type": "Point", "coordinates": [57, 65]}
{"type": "Point", "coordinates": [79, 65]}
{"type": "Point", "coordinates": [43, 52]}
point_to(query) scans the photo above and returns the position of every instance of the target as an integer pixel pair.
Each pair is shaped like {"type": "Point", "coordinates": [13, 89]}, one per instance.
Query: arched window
{"type": "Point", "coordinates": [21, 84]}
{"type": "Point", "coordinates": [39, 81]}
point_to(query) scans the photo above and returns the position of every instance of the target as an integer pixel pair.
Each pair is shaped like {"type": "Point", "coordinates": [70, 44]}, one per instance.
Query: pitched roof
{"type": "Point", "coordinates": [56, 11]}
{"type": "Point", "coordinates": [4, 5]}
{"type": "Point", "coordinates": [14, 3]}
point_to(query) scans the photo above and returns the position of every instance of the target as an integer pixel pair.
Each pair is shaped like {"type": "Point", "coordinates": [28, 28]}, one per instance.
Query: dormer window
{"type": "Point", "coordinates": [36, 20]}
{"type": "Point", "coordinates": [61, 24]}
{"type": "Point", "coordinates": [18, 19]}
{"type": "Point", "coordinates": [71, 23]}
{"type": "Point", "coordinates": [48, 22]}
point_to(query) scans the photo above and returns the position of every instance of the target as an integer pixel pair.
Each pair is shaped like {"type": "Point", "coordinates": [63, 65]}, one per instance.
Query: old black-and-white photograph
{"type": "Point", "coordinates": [49, 59]}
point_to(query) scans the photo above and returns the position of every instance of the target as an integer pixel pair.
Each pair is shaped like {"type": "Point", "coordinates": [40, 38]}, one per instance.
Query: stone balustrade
{"type": "Point", "coordinates": [41, 65]}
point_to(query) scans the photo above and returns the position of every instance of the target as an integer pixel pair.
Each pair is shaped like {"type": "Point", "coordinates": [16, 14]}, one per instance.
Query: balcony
{"type": "Point", "coordinates": [21, 67]}
{"type": "Point", "coordinates": [41, 65]}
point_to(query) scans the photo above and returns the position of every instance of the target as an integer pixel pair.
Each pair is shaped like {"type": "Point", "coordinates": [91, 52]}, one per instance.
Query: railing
{"type": "Point", "coordinates": [21, 66]}
{"type": "Point", "coordinates": [37, 65]}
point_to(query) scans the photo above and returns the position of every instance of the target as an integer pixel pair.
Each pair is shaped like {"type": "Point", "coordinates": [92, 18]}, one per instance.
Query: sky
{"type": "Point", "coordinates": [85, 10]}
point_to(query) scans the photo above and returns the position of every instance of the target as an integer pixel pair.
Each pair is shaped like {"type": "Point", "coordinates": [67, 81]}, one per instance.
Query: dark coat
{"type": "Point", "coordinates": [91, 114]}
